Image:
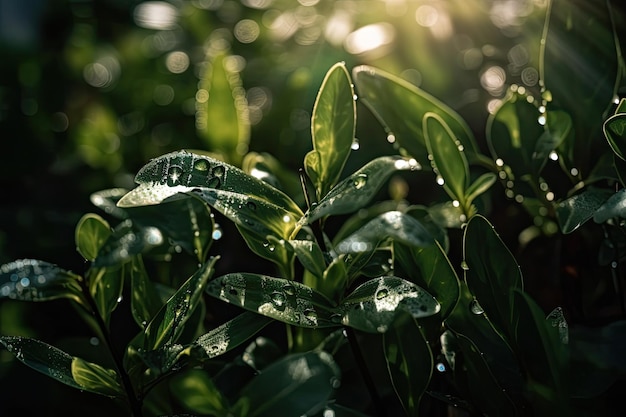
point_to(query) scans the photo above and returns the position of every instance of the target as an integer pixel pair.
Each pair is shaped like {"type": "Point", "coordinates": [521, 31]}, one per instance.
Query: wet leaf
{"type": "Point", "coordinates": [271, 248]}
{"type": "Point", "coordinates": [196, 392]}
{"type": "Point", "coordinates": [106, 200]}
{"type": "Point", "coordinates": [91, 233]}
{"type": "Point", "coordinates": [229, 335]}
{"type": "Point", "coordinates": [145, 301]}
{"type": "Point", "coordinates": [127, 240]}
{"type": "Point", "coordinates": [615, 132]}
{"type": "Point", "coordinates": [33, 280]}
{"type": "Point", "coordinates": [614, 207]}
{"type": "Point", "coordinates": [281, 299]}
{"type": "Point", "coordinates": [409, 362]}
{"type": "Point", "coordinates": [491, 271]}
{"type": "Point", "coordinates": [310, 255]}
{"type": "Point", "coordinates": [577, 210]}
{"type": "Point", "coordinates": [105, 286]}
{"type": "Point", "coordinates": [180, 172]}
{"type": "Point", "coordinates": [95, 378]}
{"type": "Point", "coordinates": [448, 156]}
{"type": "Point", "coordinates": [401, 106]}
{"type": "Point", "coordinates": [268, 169]}
{"type": "Point", "coordinates": [358, 189]}
{"type": "Point", "coordinates": [222, 110]}
{"type": "Point", "coordinates": [261, 353]}
{"type": "Point", "coordinates": [373, 306]}
{"type": "Point", "coordinates": [559, 128]}
{"type": "Point", "coordinates": [332, 129]}
{"type": "Point", "coordinates": [299, 384]}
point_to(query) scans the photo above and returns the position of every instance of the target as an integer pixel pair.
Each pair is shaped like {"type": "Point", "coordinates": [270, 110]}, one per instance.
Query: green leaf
{"type": "Point", "coordinates": [559, 127]}
{"type": "Point", "coordinates": [106, 200]}
{"type": "Point", "coordinates": [165, 328]}
{"type": "Point", "coordinates": [33, 280]}
{"type": "Point", "coordinates": [222, 110]}
{"type": "Point", "coordinates": [615, 132]}
{"type": "Point", "coordinates": [299, 384]}
{"type": "Point", "coordinates": [577, 210]}
{"type": "Point", "coordinates": [95, 378]}
{"type": "Point", "coordinates": [409, 362]}
{"type": "Point", "coordinates": [310, 255]}
{"type": "Point", "coordinates": [358, 189]}
{"type": "Point", "coordinates": [332, 129]}
{"type": "Point", "coordinates": [197, 393]}
{"type": "Point", "coordinates": [229, 335]}
{"type": "Point", "coordinates": [392, 224]}
{"type": "Point", "coordinates": [271, 248]}
{"type": "Point", "coordinates": [448, 155]}
{"type": "Point", "coordinates": [270, 170]}
{"type": "Point", "coordinates": [180, 172]}
{"type": "Point", "coordinates": [91, 233]}
{"type": "Point", "coordinates": [491, 271]}
{"type": "Point", "coordinates": [106, 286]}
{"type": "Point", "coordinates": [145, 301]}
{"type": "Point", "coordinates": [401, 106]}
{"type": "Point", "coordinates": [127, 240]}
{"type": "Point", "coordinates": [614, 207]}
{"type": "Point", "coordinates": [479, 186]}
{"type": "Point", "coordinates": [373, 306]}
{"type": "Point", "coordinates": [281, 299]}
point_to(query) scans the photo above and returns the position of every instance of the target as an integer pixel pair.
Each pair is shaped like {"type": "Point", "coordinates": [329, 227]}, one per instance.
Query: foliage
{"type": "Point", "coordinates": [425, 303]}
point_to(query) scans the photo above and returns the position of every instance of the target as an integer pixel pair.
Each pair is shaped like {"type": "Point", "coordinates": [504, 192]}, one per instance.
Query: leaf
{"type": "Point", "coordinates": [479, 186]}
{"type": "Point", "coordinates": [197, 392]}
{"type": "Point", "coordinates": [373, 306]}
{"type": "Point", "coordinates": [615, 132]}
{"type": "Point", "coordinates": [91, 233]}
{"type": "Point", "coordinates": [270, 170]}
{"type": "Point", "coordinates": [577, 210]}
{"type": "Point", "coordinates": [222, 110]}
{"type": "Point", "coordinates": [145, 301]}
{"type": "Point", "coordinates": [559, 127]}
{"type": "Point", "coordinates": [106, 200]}
{"type": "Point", "coordinates": [310, 255]}
{"type": "Point", "coordinates": [33, 280]}
{"type": "Point", "coordinates": [614, 207]}
{"type": "Point", "coordinates": [491, 271]}
{"type": "Point", "coordinates": [165, 328]}
{"type": "Point", "coordinates": [392, 224]}
{"type": "Point", "coordinates": [229, 335]}
{"type": "Point", "coordinates": [127, 240]}
{"type": "Point", "coordinates": [448, 156]}
{"type": "Point", "coordinates": [105, 287]}
{"type": "Point", "coordinates": [281, 299]}
{"type": "Point", "coordinates": [95, 378]}
{"type": "Point", "coordinates": [358, 189]}
{"type": "Point", "coordinates": [409, 362]}
{"type": "Point", "coordinates": [332, 129]}
{"type": "Point", "coordinates": [270, 247]}
{"type": "Point", "coordinates": [181, 172]}
{"type": "Point", "coordinates": [299, 384]}
{"type": "Point", "coordinates": [400, 107]}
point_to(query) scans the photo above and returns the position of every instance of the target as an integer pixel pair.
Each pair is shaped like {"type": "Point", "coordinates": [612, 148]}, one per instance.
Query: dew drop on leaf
{"type": "Point", "coordinates": [251, 205]}
{"type": "Point", "coordinates": [336, 318]}
{"type": "Point", "coordinates": [201, 165]}
{"type": "Point", "coordinates": [310, 314]}
{"type": "Point", "coordinates": [382, 294]}
{"type": "Point", "coordinates": [476, 308]}
{"type": "Point", "coordinates": [218, 171]}
{"type": "Point", "coordinates": [360, 181]}
{"type": "Point", "coordinates": [289, 289]}
{"type": "Point", "coordinates": [173, 176]}
{"type": "Point", "coordinates": [355, 145]}
{"type": "Point", "coordinates": [278, 299]}
{"type": "Point", "coordinates": [464, 266]}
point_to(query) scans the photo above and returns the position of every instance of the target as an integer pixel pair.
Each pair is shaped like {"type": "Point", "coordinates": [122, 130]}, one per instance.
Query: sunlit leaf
{"type": "Point", "coordinates": [299, 384]}
{"type": "Point", "coordinates": [95, 378]}
{"type": "Point", "coordinates": [310, 255]}
{"type": "Point", "coordinates": [577, 210]}
{"type": "Point", "coordinates": [409, 362]}
{"type": "Point", "coordinates": [197, 393]}
{"type": "Point", "coordinates": [180, 172]}
{"type": "Point", "coordinates": [491, 271]}
{"type": "Point", "coordinates": [448, 156]}
{"type": "Point", "coordinates": [33, 280]}
{"type": "Point", "coordinates": [373, 306]}
{"type": "Point", "coordinates": [91, 233]}
{"type": "Point", "coordinates": [559, 127]}
{"type": "Point", "coordinates": [281, 299]}
{"type": "Point", "coordinates": [615, 133]}
{"type": "Point", "coordinates": [268, 169]}
{"type": "Point", "coordinates": [359, 188]}
{"type": "Point", "coordinates": [332, 129]}
{"type": "Point", "coordinates": [229, 335]}
{"type": "Point", "coordinates": [479, 186]}
{"type": "Point", "coordinates": [222, 110]}
{"type": "Point", "coordinates": [105, 286]}
{"type": "Point", "coordinates": [401, 106]}
{"type": "Point", "coordinates": [106, 200]}
{"type": "Point", "coordinates": [271, 248]}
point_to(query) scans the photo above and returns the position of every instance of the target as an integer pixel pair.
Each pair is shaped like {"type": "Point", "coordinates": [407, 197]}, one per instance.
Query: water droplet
{"type": "Point", "coordinates": [464, 266]}
{"type": "Point", "coordinates": [614, 264]}
{"type": "Point", "coordinates": [475, 307]}
{"type": "Point", "coordinates": [440, 180]}
{"type": "Point", "coordinates": [289, 289]}
{"type": "Point", "coordinates": [335, 382]}
{"type": "Point", "coordinates": [355, 145]}
{"type": "Point", "coordinates": [360, 181]}
{"type": "Point", "coordinates": [218, 171]}
{"type": "Point", "coordinates": [201, 165]}
{"type": "Point", "coordinates": [278, 300]}
{"type": "Point", "coordinates": [440, 367]}
{"type": "Point", "coordinates": [310, 314]}
{"type": "Point", "coordinates": [119, 299]}
{"type": "Point", "coordinates": [382, 294]}
{"type": "Point", "coordinates": [233, 291]}
{"type": "Point", "coordinates": [336, 318]}
{"type": "Point", "coordinates": [251, 205]}
{"type": "Point", "coordinates": [214, 182]}
{"type": "Point", "coordinates": [391, 138]}
{"type": "Point", "coordinates": [217, 232]}
{"type": "Point", "coordinates": [173, 176]}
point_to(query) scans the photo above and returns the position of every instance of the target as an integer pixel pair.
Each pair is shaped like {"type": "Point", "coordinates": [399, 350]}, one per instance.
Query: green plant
{"type": "Point", "coordinates": [387, 275]}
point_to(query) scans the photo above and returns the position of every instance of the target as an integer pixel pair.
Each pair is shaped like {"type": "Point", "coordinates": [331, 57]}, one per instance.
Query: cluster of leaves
{"type": "Point", "coordinates": [386, 272]}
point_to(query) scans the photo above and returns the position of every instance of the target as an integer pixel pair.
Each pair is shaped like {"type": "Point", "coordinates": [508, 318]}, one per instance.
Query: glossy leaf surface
{"type": "Point", "coordinates": [197, 392]}
{"type": "Point", "coordinates": [91, 233]}
{"type": "Point", "coordinates": [614, 207]}
{"type": "Point", "coordinates": [332, 128]}
{"type": "Point", "coordinates": [95, 378]}
{"type": "Point", "coordinates": [577, 210]}
{"type": "Point", "coordinates": [145, 300]}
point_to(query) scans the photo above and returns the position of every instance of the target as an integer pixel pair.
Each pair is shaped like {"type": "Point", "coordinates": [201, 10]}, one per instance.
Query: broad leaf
{"type": "Point", "coordinates": [448, 156]}
{"type": "Point", "coordinates": [614, 207]}
{"type": "Point", "coordinates": [615, 133]}
{"type": "Point", "coordinates": [105, 286]}
{"type": "Point", "coordinates": [373, 306]}
{"type": "Point", "coordinates": [91, 233]}
{"type": "Point", "coordinates": [180, 172]}
{"type": "Point", "coordinates": [332, 129]}
{"type": "Point", "coordinates": [401, 106]}
{"type": "Point", "coordinates": [491, 271]}
{"type": "Point", "coordinates": [95, 378]}
{"type": "Point", "coordinates": [197, 393]}
{"type": "Point", "coordinates": [127, 240]}
{"type": "Point", "coordinates": [222, 110]}
{"type": "Point", "coordinates": [299, 384]}
{"type": "Point", "coordinates": [358, 189]}
{"type": "Point", "coordinates": [577, 210]}
{"type": "Point", "coordinates": [33, 280]}
{"type": "Point", "coordinates": [272, 248]}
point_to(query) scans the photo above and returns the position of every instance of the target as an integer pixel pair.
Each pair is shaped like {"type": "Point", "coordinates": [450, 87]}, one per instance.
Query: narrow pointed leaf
{"type": "Point", "coordinates": [358, 189]}
{"type": "Point", "coordinates": [310, 255]}
{"type": "Point", "coordinates": [448, 156]}
{"type": "Point", "coordinates": [614, 207]}
{"type": "Point", "coordinates": [91, 233]}
{"type": "Point", "coordinates": [197, 392]}
{"type": "Point", "coordinates": [577, 210]}
{"type": "Point", "coordinates": [180, 172]}
{"type": "Point", "coordinates": [281, 299]}
{"type": "Point", "coordinates": [374, 305]}
{"type": "Point", "coordinates": [145, 301]}
{"type": "Point", "coordinates": [95, 378]}
{"type": "Point", "coordinates": [401, 106]}
{"type": "Point", "coordinates": [33, 280]}
{"type": "Point", "coordinates": [559, 127]}
{"type": "Point", "coordinates": [479, 186]}
{"type": "Point", "coordinates": [332, 129]}
{"type": "Point", "coordinates": [270, 247]}
{"type": "Point", "coordinates": [105, 286]}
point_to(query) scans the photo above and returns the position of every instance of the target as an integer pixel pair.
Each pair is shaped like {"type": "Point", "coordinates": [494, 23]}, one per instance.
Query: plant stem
{"type": "Point", "coordinates": [367, 377]}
